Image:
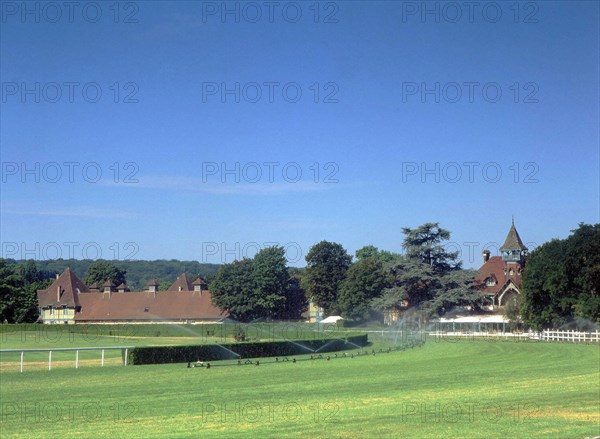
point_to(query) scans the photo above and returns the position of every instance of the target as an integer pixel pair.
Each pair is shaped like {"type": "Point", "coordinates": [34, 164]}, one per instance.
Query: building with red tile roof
{"type": "Point", "coordinates": [500, 277]}
{"type": "Point", "coordinates": [64, 302]}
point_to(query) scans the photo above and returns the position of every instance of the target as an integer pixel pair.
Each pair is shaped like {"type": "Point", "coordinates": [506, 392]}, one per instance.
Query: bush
{"type": "Point", "coordinates": [213, 352]}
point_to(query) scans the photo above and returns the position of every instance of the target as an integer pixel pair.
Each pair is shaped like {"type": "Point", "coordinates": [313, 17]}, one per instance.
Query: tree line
{"type": "Point", "coordinates": [561, 281]}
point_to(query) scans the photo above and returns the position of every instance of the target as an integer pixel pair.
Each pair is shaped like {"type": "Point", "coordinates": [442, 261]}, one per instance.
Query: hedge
{"type": "Point", "coordinates": [213, 352]}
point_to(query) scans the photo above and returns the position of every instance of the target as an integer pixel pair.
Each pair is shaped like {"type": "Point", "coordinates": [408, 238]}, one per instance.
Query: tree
{"type": "Point", "coordinates": [371, 251]}
{"type": "Point", "coordinates": [101, 271]}
{"type": "Point", "coordinates": [271, 278]}
{"type": "Point", "coordinates": [295, 301]}
{"type": "Point", "coordinates": [259, 288]}
{"type": "Point", "coordinates": [327, 264]}
{"type": "Point", "coordinates": [233, 290]}
{"type": "Point", "coordinates": [428, 277]}
{"type": "Point", "coordinates": [364, 281]}
{"type": "Point", "coordinates": [561, 282]}
{"type": "Point", "coordinates": [424, 244]}
{"type": "Point", "coordinates": [18, 292]}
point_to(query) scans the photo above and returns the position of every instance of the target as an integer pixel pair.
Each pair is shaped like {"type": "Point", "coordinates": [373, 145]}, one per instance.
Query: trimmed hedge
{"type": "Point", "coordinates": [213, 352]}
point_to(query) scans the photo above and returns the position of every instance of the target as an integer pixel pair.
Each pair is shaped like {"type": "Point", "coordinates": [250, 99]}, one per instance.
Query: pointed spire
{"type": "Point", "coordinates": [513, 240]}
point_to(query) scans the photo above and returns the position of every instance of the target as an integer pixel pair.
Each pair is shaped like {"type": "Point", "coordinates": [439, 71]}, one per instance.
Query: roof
{"type": "Point", "coordinates": [199, 281]}
{"type": "Point", "coordinates": [331, 319]}
{"type": "Point", "coordinates": [152, 282]}
{"type": "Point", "coordinates": [122, 286]}
{"type": "Point", "coordinates": [513, 240]}
{"type": "Point", "coordinates": [162, 305]}
{"type": "Point", "coordinates": [63, 291]}
{"type": "Point", "coordinates": [497, 268]}
{"type": "Point", "coordinates": [182, 283]}
{"type": "Point", "coordinates": [108, 283]}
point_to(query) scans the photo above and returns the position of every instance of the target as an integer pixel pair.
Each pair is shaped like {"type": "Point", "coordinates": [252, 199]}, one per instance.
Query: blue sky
{"type": "Point", "coordinates": [408, 115]}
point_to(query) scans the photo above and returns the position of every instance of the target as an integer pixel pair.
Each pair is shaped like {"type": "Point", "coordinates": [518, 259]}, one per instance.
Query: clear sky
{"type": "Point", "coordinates": [204, 131]}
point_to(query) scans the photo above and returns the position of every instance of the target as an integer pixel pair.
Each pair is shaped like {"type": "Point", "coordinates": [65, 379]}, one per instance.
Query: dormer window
{"type": "Point", "coordinates": [511, 272]}
{"type": "Point", "coordinates": [490, 282]}
{"type": "Point", "coordinates": [146, 309]}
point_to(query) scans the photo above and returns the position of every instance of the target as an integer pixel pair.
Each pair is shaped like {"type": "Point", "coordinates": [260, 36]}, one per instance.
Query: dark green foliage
{"type": "Point", "coordinates": [271, 278]}
{"type": "Point", "coordinates": [371, 251]}
{"type": "Point", "coordinates": [259, 288]}
{"type": "Point", "coordinates": [233, 289]}
{"type": "Point", "coordinates": [561, 282]}
{"type": "Point", "coordinates": [425, 244]}
{"type": "Point", "coordinates": [213, 352]}
{"type": "Point", "coordinates": [138, 272]}
{"type": "Point", "coordinates": [364, 281]}
{"type": "Point", "coordinates": [428, 277]}
{"type": "Point", "coordinates": [18, 291]}
{"type": "Point", "coordinates": [327, 264]}
{"type": "Point", "coordinates": [101, 271]}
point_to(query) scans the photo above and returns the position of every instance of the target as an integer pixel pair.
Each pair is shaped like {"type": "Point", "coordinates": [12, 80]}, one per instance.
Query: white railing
{"type": "Point", "coordinates": [50, 350]}
{"type": "Point", "coordinates": [570, 336]}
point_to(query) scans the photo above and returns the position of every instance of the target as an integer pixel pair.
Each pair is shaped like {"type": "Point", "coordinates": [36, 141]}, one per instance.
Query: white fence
{"type": "Point", "coordinates": [571, 336]}
{"type": "Point", "coordinates": [545, 335]}
{"type": "Point", "coordinates": [124, 350]}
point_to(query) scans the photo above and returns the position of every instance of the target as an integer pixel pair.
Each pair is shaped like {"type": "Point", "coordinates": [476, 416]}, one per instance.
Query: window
{"type": "Point", "coordinates": [146, 309]}
{"type": "Point", "coordinates": [51, 311]}
{"type": "Point", "coordinates": [490, 282]}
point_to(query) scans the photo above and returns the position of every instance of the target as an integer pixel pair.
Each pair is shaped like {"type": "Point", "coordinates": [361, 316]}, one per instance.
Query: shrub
{"type": "Point", "coordinates": [213, 352]}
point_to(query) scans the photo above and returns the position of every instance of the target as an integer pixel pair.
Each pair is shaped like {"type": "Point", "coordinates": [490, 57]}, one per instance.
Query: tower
{"type": "Point", "coordinates": [513, 250]}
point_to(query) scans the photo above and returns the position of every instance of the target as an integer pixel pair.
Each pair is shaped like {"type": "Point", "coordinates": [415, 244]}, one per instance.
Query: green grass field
{"type": "Point", "coordinates": [468, 389]}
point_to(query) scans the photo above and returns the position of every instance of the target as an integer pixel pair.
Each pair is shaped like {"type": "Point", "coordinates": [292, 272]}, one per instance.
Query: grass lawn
{"type": "Point", "coordinates": [467, 389]}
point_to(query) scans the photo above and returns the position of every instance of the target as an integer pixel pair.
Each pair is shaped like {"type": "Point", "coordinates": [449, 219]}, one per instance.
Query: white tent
{"type": "Point", "coordinates": [331, 319]}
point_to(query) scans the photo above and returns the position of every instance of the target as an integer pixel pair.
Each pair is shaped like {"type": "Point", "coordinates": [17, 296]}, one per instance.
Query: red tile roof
{"type": "Point", "coordinates": [63, 291]}
{"type": "Point", "coordinates": [182, 283]}
{"type": "Point", "coordinates": [147, 306]}
{"type": "Point", "coordinates": [497, 268]}
{"type": "Point", "coordinates": [130, 306]}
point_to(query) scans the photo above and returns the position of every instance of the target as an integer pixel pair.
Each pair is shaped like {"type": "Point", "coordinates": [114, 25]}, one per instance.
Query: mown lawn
{"type": "Point", "coordinates": [468, 389]}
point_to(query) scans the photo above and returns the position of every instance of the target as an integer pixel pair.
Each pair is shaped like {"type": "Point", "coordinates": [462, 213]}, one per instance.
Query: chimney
{"type": "Point", "coordinates": [486, 256]}
{"type": "Point", "coordinates": [58, 293]}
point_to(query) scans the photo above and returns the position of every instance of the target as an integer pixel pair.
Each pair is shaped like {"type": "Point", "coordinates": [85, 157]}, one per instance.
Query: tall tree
{"type": "Point", "coordinates": [101, 271]}
{"type": "Point", "coordinates": [271, 278]}
{"type": "Point", "coordinates": [327, 264]}
{"type": "Point", "coordinates": [561, 281]}
{"type": "Point", "coordinates": [18, 292]}
{"type": "Point", "coordinates": [233, 290]}
{"type": "Point", "coordinates": [364, 281]}
{"type": "Point", "coordinates": [425, 244]}
{"type": "Point", "coordinates": [428, 277]}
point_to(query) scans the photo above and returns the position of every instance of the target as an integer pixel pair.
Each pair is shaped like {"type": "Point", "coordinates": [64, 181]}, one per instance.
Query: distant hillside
{"type": "Point", "coordinates": [138, 272]}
